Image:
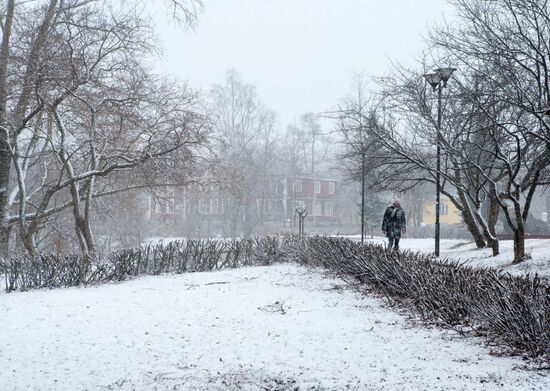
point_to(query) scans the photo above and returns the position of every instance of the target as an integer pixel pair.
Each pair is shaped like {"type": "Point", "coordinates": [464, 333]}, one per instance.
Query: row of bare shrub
{"type": "Point", "coordinates": [512, 311]}
{"type": "Point", "coordinates": [55, 271]}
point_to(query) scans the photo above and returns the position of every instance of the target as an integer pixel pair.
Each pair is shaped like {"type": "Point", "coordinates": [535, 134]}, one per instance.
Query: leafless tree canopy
{"type": "Point", "coordinates": [78, 107]}
{"type": "Point", "coordinates": [496, 124]}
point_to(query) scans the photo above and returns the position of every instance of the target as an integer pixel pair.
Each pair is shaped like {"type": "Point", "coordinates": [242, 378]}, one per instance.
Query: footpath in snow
{"type": "Point", "coordinates": [273, 328]}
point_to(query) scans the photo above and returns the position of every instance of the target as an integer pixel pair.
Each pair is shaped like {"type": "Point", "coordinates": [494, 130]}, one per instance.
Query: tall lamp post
{"type": "Point", "coordinates": [363, 197]}
{"type": "Point", "coordinates": [438, 80]}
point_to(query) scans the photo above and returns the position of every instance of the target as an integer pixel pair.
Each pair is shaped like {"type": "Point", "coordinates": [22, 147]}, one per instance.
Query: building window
{"type": "Point", "coordinates": [329, 210]}
{"type": "Point", "coordinates": [298, 186]}
{"type": "Point", "coordinates": [169, 201]}
{"type": "Point", "coordinates": [186, 206]}
{"type": "Point", "coordinates": [443, 209]}
{"type": "Point", "coordinates": [317, 187]}
{"type": "Point", "coordinates": [204, 207]}
{"type": "Point", "coordinates": [317, 208]}
{"type": "Point", "coordinates": [216, 206]}
{"type": "Point", "coordinates": [178, 205]}
{"type": "Point", "coordinates": [170, 206]}
{"type": "Point", "coordinates": [267, 206]}
{"type": "Point", "coordinates": [332, 187]}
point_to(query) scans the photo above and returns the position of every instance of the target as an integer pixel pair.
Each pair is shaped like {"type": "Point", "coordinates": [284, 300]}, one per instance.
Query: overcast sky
{"type": "Point", "coordinates": [301, 54]}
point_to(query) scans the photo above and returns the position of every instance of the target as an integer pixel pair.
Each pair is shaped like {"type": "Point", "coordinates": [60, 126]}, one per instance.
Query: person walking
{"type": "Point", "coordinates": [394, 224]}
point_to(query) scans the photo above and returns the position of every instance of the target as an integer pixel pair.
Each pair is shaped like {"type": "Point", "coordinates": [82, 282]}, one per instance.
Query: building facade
{"type": "Point", "coordinates": [267, 206]}
{"type": "Point", "coordinates": [316, 195]}
{"type": "Point", "coordinates": [448, 213]}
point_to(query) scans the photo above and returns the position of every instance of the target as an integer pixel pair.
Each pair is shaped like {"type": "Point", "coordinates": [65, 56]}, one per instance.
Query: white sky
{"type": "Point", "coordinates": [301, 54]}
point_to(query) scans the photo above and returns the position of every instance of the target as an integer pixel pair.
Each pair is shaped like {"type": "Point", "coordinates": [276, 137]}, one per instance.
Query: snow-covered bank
{"type": "Point", "coordinates": [466, 252]}
{"type": "Point", "coordinates": [265, 326]}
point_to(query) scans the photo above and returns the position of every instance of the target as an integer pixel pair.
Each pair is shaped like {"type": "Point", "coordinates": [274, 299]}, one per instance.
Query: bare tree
{"type": "Point", "coordinates": [507, 42]}
{"type": "Point", "coordinates": [246, 132]}
{"type": "Point", "coordinates": [400, 129]}
{"type": "Point", "coordinates": [82, 109]}
{"type": "Point", "coordinates": [357, 160]}
{"type": "Point", "coordinates": [17, 110]}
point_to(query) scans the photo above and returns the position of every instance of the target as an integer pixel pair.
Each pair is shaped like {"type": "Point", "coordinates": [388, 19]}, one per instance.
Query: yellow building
{"type": "Point", "coordinates": [449, 214]}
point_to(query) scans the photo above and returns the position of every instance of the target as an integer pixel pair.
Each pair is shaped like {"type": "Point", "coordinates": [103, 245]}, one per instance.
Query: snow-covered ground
{"type": "Point", "coordinates": [467, 253]}
{"type": "Point", "coordinates": [271, 328]}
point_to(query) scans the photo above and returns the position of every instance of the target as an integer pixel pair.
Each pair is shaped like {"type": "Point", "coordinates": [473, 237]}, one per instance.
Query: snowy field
{"type": "Point", "coordinates": [466, 252]}
{"type": "Point", "coordinates": [269, 328]}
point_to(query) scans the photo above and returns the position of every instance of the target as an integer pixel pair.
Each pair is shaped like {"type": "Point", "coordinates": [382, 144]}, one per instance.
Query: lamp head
{"type": "Point", "coordinates": [445, 74]}
{"type": "Point", "coordinates": [433, 79]}
{"type": "Point", "coordinates": [300, 210]}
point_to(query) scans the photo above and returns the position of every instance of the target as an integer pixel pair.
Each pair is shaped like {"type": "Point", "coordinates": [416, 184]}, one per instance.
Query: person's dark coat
{"type": "Point", "coordinates": [394, 221]}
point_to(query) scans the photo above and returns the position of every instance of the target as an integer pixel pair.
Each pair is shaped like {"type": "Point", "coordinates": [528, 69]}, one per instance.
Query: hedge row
{"type": "Point", "coordinates": [55, 271]}
{"type": "Point", "coordinates": [513, 311]}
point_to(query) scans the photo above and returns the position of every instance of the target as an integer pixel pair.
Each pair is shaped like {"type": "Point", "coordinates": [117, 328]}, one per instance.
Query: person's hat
{"type": "Point", "coordinates": [396, 201]}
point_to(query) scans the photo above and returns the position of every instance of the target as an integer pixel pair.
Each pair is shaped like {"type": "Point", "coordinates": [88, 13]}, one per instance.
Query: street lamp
{"type": "Point", "coordinates": [302, 213]}
{"type": "Point", "coordinates": [438, 80]}
{"type": "Point", "coordinates": [362, 195]}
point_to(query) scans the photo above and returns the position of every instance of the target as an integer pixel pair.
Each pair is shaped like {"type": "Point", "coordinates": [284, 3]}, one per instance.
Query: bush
{"type": "Point", "coordinates": [55, 271]}
{"type": "Point", "coordinates": [512, 310]}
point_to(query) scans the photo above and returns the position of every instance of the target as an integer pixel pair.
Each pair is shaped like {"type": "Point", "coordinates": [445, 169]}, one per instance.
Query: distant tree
{"type": "Point", "coordinates": [246, 149]}
{"type": "Point", "coordinates": [358, 156]}
{"type": "Point", "coordinates": [312, 132]}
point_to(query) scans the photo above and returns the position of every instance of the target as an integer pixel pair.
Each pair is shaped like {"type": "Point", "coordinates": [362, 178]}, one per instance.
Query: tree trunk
{"type": "Point", "coordinates": [492, 240]}
{"type": "Point", "coordinates": [82, 227]}
{"type": "Point", "coordinates": [473, 229]}
{"type": "Point", "coordinates": [5, 240]}
{"type": "Point", "coordinates": [87, 231]}
{"type": "Point", "coordinates": [492, 219]}
{"type": "Point", "coordinates": [519, 245]}
{"type": "Point", "coordinates": [495, 246]}
{"type": "Point", "coordinates": [519, 234]}
{"type": "Point", "coordinates": [27, 239]}
{"type": "Point", "coordinates": [470, 221]}
{"type": "Point", "coordinates": [5, 156]}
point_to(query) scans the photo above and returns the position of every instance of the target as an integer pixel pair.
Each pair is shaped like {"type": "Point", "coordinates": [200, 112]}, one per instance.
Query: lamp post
{"type": "Point", "coordinates": [362, 197]}
{"type": "Point", "coordinates": [302, 213]}
{"type": "Point", "coordinates": [438, 80]}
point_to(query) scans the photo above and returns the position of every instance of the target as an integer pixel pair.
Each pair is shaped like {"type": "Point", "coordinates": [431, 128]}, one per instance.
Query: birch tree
{"type": "Point", "coordinates": [246, 132]}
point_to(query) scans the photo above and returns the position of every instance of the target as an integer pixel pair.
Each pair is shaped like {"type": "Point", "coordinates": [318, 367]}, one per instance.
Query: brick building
{"type": "Point", "coordinates": [317, 195]}
{"type": "Point", "coordinates": [210, 210]}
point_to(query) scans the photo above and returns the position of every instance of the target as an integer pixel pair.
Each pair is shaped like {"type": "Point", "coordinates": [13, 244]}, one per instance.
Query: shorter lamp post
{"type": "Point", "coordinates": [302, 213]}
{"type": "Point", "coordinates": [438, 80]}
